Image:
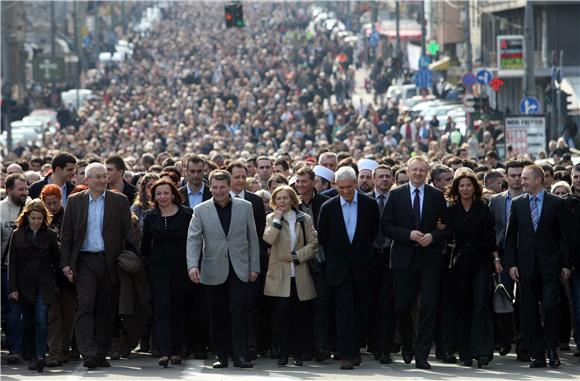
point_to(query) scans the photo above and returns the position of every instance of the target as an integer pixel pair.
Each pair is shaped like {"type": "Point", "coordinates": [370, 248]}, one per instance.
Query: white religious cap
{"type": "Point", "coordinates": [324, 172]}
{"type": "Point", "coordinates": [367, 164]}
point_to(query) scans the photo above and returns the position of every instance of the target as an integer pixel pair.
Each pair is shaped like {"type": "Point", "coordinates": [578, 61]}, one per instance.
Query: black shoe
{"type": "Point", "coordinates": [53, 362]}
{"type": "Point", "coordinates": [241, 362]}
{"type": "Point", "coordinates": [407, 357]}
{"type": "Point", "coordinates": [522, 357]}
{"type": "Point", "coordinates": [321, 356]}
{"type": "Point", "coordinates": [40, 363]}
{"type": "Point", "coordinates": [466, 362]}
{"type": "Point", "coordinates": [33, 364]}
{"type": "Point", "coordinates": [164, 361]}
{"type": "Point", "coordinates": [422, 364]}
{"type": "Point", "coordinates": [504, 349]}
{"type": "Point", "coordinates": [298, 361]}
{"type": "Point", "coordinates": [13, 359]}
{"type": "Point", "coordinates": [482, 361]}
{"type": "Point", "coordinates": [448, 358]}
{"type": "Point", "coordinates": [90, 363]}
{"type": "Point", "coordinates": [176, 359]}
{"type": "Point", "coordinates": [102, 362]}
{"type": "Point", "coordinates": [220, 363]}
{"type": "Point", "coordinates": [386, 359]}
{"type": "Point", "coordinates": [538, 362]}
{"type": "Point", "coordinates": [346, 365]}
{"type": "Point", "coordinates": [553, 358]}
{"type": "Point", "coordinates": [357, 360]}
{"type": "Point", "coordinates": [283, 361]}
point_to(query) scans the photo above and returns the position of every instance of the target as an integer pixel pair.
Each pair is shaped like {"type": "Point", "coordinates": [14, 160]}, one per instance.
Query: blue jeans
{"type": "Point", "coordinates": [13, 317]}
{"type": "Point", "coordinates": [575, 293]}
{"type": "Point", "coordinates": [35, 318]}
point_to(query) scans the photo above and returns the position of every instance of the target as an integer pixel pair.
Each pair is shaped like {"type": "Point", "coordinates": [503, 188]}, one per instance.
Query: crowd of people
{"type": "Point", "coordinates": [224, 195]}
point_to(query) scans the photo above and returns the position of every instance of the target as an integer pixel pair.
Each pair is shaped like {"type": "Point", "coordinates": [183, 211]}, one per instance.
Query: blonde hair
{"type": "Point", "coordinates": [291, 193]}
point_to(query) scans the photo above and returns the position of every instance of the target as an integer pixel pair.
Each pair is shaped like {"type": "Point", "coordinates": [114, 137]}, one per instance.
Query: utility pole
{"type": "Point", "coordinates": [529, 75]}
{"type": "Point", "coordinates": [423, 28]}
{"type": "Point", "coordinates": [398, 26]}
{"type": "Point", "coordinates": [78, 44]}
{"type": "Point", "coordinates": [467, 36]}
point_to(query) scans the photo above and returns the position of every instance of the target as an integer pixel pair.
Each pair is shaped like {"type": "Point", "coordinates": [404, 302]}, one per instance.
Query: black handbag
{"type": "Point", "coordinates": [502, 300]}
{"type": "Point", "coordinates": [317, 262]}
{"type": "Point", "coordinates": [454, 252]}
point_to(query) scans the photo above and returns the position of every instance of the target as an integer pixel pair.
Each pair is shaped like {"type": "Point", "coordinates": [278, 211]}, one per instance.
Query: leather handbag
{"type": "Point", "coordinates": [502, 300]}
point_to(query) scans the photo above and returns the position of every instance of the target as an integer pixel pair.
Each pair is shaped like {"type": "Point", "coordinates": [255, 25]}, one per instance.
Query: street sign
{"type": "Point", "coordinates": [374, 39]}
{"type": "Point", "coordinates": [526, 134]}
{"type": "Point", "coordinates": [496, 83]}
{"type": "Point", "coordinates": [424, 78]}
{"type": "Point", "coordinates": [510, 52]}
{"type": "Point", "coordinates": [484, 77]}
{"type": "Point", "coordinates": [469, 103]}
{"type": "Point", "coordinates": [48, 69]}
{"type": "Point", "coordinates": [529, 106]}
{"type": "Point", "coordinates": [469, 79]}
{"type": "Point", "coordinates": [433, 48]}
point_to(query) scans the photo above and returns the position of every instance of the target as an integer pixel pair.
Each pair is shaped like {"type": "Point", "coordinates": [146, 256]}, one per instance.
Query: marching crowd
{"type": "Point", "coordinates": [224, 195]}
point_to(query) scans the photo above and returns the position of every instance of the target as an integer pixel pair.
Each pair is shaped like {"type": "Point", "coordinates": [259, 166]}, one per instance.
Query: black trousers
{"type": "Point", "coordinates": [535, 289]}
{"type": "Point", "coordinates": [228, 316]}
{"type": "Point", "coordinates": [382, 314]}
{"type": "Point", "coordinates": [96, 306]}
{"type": "Point", "coordinates": [417, 278]}
{"type": "Point", "coordinates": [196, 318]}
{"type": "Point", "coordinates": [292, 318]}
{"type": "Point", "coordinates": [352, 303]}
{"type": "Point", "coordinates": [321, 307]}
{"type": "Point", "coordinates": [474, 321]}
{"type": "Point", "coordinates": [169, 321]}
{"type": "Point", "coordinates": [258, 312]}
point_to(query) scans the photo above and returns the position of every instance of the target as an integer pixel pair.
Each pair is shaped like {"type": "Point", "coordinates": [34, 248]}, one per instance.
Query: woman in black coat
{"type": "Point", "coordinates": [33, 261]}
{"type": "Point", "coordinates": [474, 256]}
{"type": "Point", "coordinates": [163, 247]}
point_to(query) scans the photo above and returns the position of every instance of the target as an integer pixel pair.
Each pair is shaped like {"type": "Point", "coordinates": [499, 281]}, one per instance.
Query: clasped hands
{"type": "Point", "coordinates": [423, 239]}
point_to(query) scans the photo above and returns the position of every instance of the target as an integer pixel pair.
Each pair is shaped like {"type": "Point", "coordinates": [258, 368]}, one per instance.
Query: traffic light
{"type": "Point", "coordinates": [566, 102]}
{"type": "Point", "coordinates": [234, 15]}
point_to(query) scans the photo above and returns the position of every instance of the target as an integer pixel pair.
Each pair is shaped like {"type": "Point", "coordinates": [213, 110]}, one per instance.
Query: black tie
{"type": "Point", "coordinates": [381, 239]}
{"type": "Point", "coordinates": [417, 209]}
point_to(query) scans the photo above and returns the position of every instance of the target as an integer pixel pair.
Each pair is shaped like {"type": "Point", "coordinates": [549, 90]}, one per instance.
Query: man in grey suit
{"type": "Point", "coordinates": [224, 228]}
{"type": "Point", "coordinates": [500, 205]}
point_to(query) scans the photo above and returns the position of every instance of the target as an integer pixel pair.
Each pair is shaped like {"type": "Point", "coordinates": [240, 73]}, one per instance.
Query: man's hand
{"type": "Point", "coordinates": [253, 276]}
{"type": "Point", "coordinates": [425, 240]}
{"type": "Point", "coordinates": [416, 235]}
{"type": "Point", "coordinates": [515, 274]}
{"type": "Point", "coordinates": [498, 267]}
{"type": "Point", "coordinates": [287, 258]}
{"type": "Point", "coordinates": [194, 275]}
{"type": "Point", "coordinates": [566, 273]}
{"type": "Point", "coordinates": [68, 273]}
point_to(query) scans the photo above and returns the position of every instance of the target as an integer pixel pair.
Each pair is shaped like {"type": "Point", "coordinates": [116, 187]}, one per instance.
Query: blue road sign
{"type": "Point", "coordinates": [469, 79]}
{"type": "Point", "coordinates": [484, 77]}
{"type": "Point", "coordinates": [529, 106]}
{"type": "Point", "coordinates": [374, 39]}
{"type": "Point", "coordinates": [424, 78]}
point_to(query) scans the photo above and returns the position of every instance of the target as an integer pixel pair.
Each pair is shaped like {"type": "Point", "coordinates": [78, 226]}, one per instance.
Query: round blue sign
{"type": "Point", "coordinates": [469, 79]}
{"type": "Point", "coordinates": [484, 77]}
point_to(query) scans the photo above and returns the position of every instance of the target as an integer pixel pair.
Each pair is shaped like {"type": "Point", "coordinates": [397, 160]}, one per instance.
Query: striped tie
{"type": "Point", "coordinates": [534, 210]}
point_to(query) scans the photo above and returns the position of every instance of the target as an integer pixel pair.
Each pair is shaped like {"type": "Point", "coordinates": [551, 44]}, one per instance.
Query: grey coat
{"type": "Point", "coordinates": [241, 244]}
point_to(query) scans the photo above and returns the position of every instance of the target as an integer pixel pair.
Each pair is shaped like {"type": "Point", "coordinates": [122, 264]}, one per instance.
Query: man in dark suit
{"type": "Point", "coordinates": [63, 170]}
{"type": "Point", "coordinates": [116, 168]}
{"type": "Point", "coordinates": [347, 227]}
{"type": "Point", "coordinates": [383, 318]}
{"type": "Point", "coordinates": [193, 193]}
{"type": "Point", "coordinates": [96, 227]}
{"type": "Point", "coordinates": [311, 202]}
{"type": "Point", "coordinates": [258, 322]}
{"type": "Point", "coordinates": [537, 252]}
{"type": "Point", "coordinates": [410, 221]}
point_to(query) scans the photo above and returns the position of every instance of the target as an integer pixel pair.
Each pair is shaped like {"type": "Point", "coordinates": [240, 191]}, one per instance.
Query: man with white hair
{"type": "Point", "coordinates": [347, 227]}
{"type": "Point", "coordinates": [96, 227]}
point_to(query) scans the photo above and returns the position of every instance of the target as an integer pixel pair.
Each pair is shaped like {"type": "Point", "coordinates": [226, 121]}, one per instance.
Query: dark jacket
{"type": "Point", "coordinates": [398, 222]}
{"type": "Point", "coordinates": [545, 251]}
{"type": "Point", "coordinates": [342, 255]}
{"type": "Point", "coordinates": [163, 247]}
{"type": "Point", "coordinates": [130, 191]}
{"type": "Point", "coordinates": [183, 190]}
{"type": "Point", "coordinates": [316, 202]}
{"type": "Point", "coordinates": [35, 188]}
{"type": "Point", "coordinates": [32, 264]}
{"type": "Point", "coordinates": [259, 218]}
{"type": "Point", "coordinates": [573, 203]}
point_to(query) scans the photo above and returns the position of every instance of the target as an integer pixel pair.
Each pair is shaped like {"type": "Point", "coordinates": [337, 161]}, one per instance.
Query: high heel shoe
{"type": "Point", "coordinates": [482, 361]}
{"type": "Point", "coordinates": [176, 359]}
{"type": "Point", "coordinates": [164, 361]}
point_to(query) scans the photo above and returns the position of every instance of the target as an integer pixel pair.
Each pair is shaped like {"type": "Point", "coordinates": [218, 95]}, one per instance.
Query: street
{"type": "Point", "coordinates": [142, 366]}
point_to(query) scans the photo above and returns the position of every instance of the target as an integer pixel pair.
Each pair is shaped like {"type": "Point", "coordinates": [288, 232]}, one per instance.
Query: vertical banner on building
{"type": "Point", "coordinates": [526, 134]}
